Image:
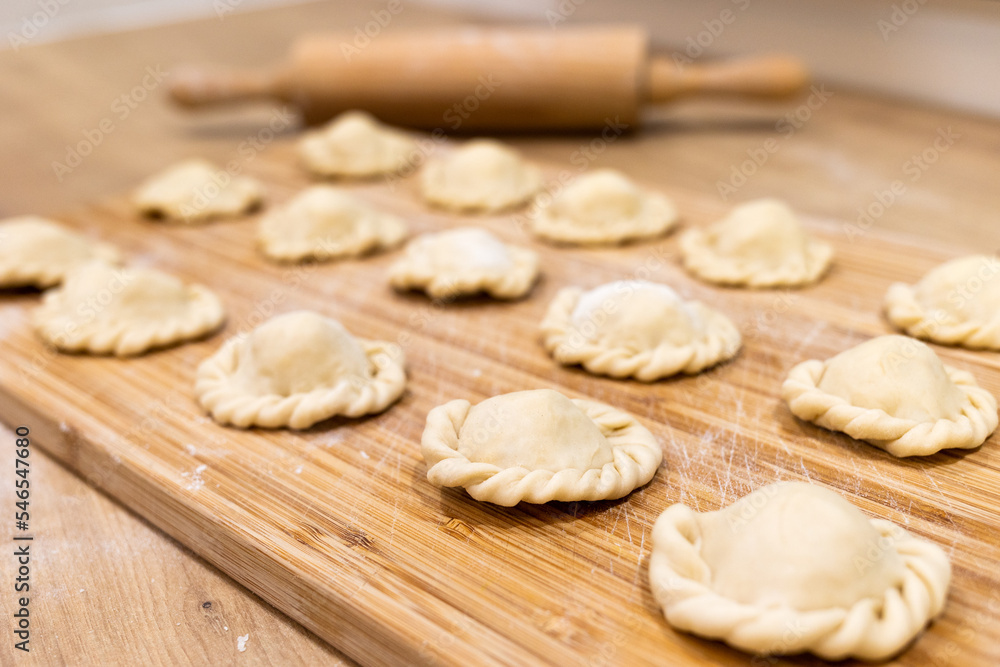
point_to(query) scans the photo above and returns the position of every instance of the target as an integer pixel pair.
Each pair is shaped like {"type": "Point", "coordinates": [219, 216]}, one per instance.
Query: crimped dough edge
{"type": "Point", "coordinates": [657, 217]}
{"type": "Point", "coordinates": [389, 231]}
{"type": "Point", "coordinates": [721, 342]}
{"type": "Point", "coordinates": [869, 630]}
{"type": "Point", "coordinates": [411, 272]}
{"type": "Point", "coordinates": [903, 310]}
{"type": "Point", "coordinates": [229, 405]}
{"type": "Point", "coordinates": [637, 456]}
{"type": "Point", "coordinates": [899, 437]}
{"type": "Point", "coordinates": [700, 260]}
{"type": "Point", "coordinates": [436, 191]}
{"type": "Point", "coordinates": [28, 272]}
{"type": "Point", "coordinates": [127, 338]}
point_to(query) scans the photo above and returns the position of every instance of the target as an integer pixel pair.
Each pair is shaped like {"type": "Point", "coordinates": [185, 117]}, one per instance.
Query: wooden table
{"type": "Point", "coordinates": [115, 590]}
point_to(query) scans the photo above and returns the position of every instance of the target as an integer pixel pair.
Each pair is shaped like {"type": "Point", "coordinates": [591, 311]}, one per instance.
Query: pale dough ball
{"type": "Point", "coordinates": [896, 374]}
{"type": "Point", "coordinates": [196, 191]}
{"type": "Point", "coordinates": [636, 328]}
{"type": "Point", "coordinates": [300, 352]}
{"type": "Point", "coordinates": [603, 207]}
{"type": "Point", "coordinates": [793, 568]}
{"type": "Point", "coordinates": [324, 222]}
{"type": "Point", "coordinates": [537, 446]}
{"type": "Point", "coordinates": [355, 144]}
{"type": "Point", "coordinates": [296, 370]}
{"type": "Point", "coordinates": [759, 244]}
{"type": "Point", "coordinates": [957, 303]}
{"type": "Point", "coordinates": [562, 437]}
{"type": "Point", "coordinates": [482, 175]}
{"type": "Point", "coordinates": [104, 309]}
{"type": "Point", "coordinates": [893, 392]}
{"type": "Point", "coordinates": [37, 252]}
{"type": "Point", "coordinates": [462, 262]}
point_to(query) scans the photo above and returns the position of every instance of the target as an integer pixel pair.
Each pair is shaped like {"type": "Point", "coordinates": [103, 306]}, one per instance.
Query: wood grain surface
{"type": "Point", "coordinates": [834, 163]}
{"type": "Point", "coordinates": [338, 527]}
{"type": "Point", "coordinates": [109, 588]}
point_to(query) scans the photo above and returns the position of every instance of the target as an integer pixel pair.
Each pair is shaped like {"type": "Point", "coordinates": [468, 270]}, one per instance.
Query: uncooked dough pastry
{"type": "Point", "coordinates": [355, 145]}
{"type": "Point", "coordinates": [103, 309]}
{"type": "Point", "coordinates": [893, 392]}
{"type": "Point", "coordinates": [298, 369]}
{"type": "Point", "coordinates": [196, 191]}
{"type": "Point", "coordinates": [759, 244]}
{"type": "Point", "coordinates": [794, 567]}
{"type": "Point", "coordinates": [465, 261]}
{"type": "Point", "coordinates": [324, 222]}
{"type": "Point", "coordinates": [36, 252]}
{"type": "Point", "coordinates": [536, 446]}
{"type": "Point", "coordinates": [482, 175]}
{"type": "Point", "coordinates": [636, 328]}
{"type": "Point", "coordinates": [603, 207]}
{"type": "Point", "coordinates": [958, 303]}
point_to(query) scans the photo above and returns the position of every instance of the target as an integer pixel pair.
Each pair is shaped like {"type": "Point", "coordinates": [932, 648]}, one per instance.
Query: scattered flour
{"type": "Point", "coordinates": [196, 481]}
{"type": "Point", "coordinates": [330, 439]}
{"type": "Point", "coordinates": [241, 642]}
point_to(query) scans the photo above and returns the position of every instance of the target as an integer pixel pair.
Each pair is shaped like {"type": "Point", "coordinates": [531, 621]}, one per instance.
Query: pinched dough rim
{"type": "Point", "coordinates": [488, 198]}
{"type": "Point", "coordinates": [17, 272]}
{"type": "Point", "coordinates": [657, 217]}
{"type": "Point", "coordinates": [397, 158]}
{"type": "Point", "coordinates": [127, 338]}
{"type": "Point", "coordinates": [870, 629]}
{"type": "Point", "coordinates": [722, 341]}
{"type": "Point", "coordinates": [386, 231]}
{"type": "Point", "coordinates": [414, 271]}
{"type": "Point", "coordinates": [637, 458]}
{"type": "Point", "coordinates": [246, 194]}
{"type": "Point", "coordinates": [228, 404]}
{"type": "Point", "coordinates": [904, 310]}
{"type": "Point", "coordinates": [899, 437]}
{"type": "Point", "coordinates": [701, 261]}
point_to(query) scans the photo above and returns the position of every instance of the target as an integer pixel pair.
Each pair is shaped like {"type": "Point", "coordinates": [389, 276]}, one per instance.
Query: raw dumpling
{"type": "Point", "coordinates": [482, 175]}
{"type": "Point", "coordinates": [536, 446]}
{"type": "Point", "coordinates": [759, 244]}
{"type": "Point", "coordinates": [958, 303]}
{"type": "Point", "coordinates": [465, 261]}
{"type": "Point", "coordinates": [102, 309]}
{"type": "Point", "coordinates": [36, 252]}
{"type": "Point", "coordinates": [794, 567]}
{"type": "Point", "coordinates": [324, 222]}
{"type": "Point", "coordinates": [197, 191]}
{"type": "Point", "coordinates": [356, 145]}
{"type": "Point", "coordinates": [893, 392]}
{"type": "Point", "coordinates": [636, 328]}
{"type": "Point", "coordinates": [604, 207]}
{"type": "Point", "coordinates": [296, 370]}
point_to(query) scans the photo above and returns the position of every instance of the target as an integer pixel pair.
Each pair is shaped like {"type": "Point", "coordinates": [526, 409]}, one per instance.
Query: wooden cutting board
{"type": "Point", "coordinates": [338, 527]}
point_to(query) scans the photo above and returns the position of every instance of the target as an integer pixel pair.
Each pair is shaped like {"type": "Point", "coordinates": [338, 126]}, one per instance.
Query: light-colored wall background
{"type": "Point", "coordinates": [940, 52]}
{"type": "Point", "coordinates": [48, 20]}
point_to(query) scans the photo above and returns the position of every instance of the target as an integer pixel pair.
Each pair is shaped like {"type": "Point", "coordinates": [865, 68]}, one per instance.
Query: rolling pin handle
{"type": "Point", "coordinates": [195, 87]}
{"type": "Point", "coordinates": [765, 77]}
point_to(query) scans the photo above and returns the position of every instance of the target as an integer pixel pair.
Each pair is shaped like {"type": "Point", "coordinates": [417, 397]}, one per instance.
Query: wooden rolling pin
{"type": "Point", "coordinates": [487, 78]}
